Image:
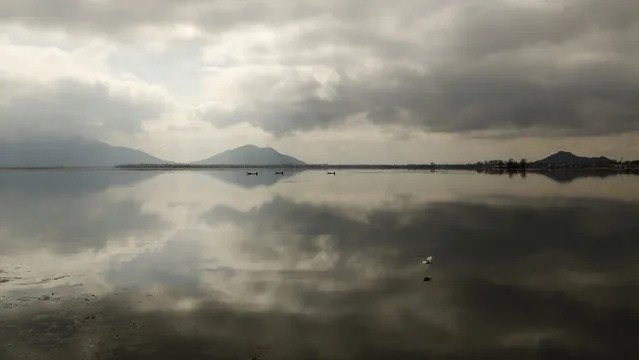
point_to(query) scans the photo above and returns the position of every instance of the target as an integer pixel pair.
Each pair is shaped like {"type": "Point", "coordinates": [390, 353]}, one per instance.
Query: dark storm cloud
{"type": "Point", "coordinates": [595, 100]}
{"type": "Point", "coordinates": [561, 71]}
{"type": "Point", "coordinates": [71, 106]}
{"type": "Point", "coordinates": [554, 68]}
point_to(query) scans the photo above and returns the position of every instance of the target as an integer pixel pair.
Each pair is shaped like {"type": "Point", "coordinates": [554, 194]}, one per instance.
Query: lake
{"type": "Point", "coordinates": [110, 264]}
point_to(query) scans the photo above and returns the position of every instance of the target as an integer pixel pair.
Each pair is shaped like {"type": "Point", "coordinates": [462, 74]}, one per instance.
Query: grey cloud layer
{"type": "Point", "coordinates": [116, 16]}
{"type": "Point", "coordinates": [552, 68]}
{"type": "Point", "coordinates": [556, 72]}
{"type": "Point", "coordinates": [74, 106]}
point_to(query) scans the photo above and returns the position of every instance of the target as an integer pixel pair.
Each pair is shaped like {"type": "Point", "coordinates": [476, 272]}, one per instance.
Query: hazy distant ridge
{"type": "Point", "coordinates": [252, 155]}
{"type": "Point", "coordinates": [75, 151]}
{"type": "Point", "coordinates": [70, 152]}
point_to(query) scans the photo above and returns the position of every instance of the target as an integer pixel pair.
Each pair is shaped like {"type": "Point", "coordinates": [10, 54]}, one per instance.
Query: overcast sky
{"type": "Point", "coordinates": [327, 80]}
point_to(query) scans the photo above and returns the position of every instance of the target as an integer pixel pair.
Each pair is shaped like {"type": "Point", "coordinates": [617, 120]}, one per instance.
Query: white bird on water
{"type": "Point", "coordinates": [428, 260]}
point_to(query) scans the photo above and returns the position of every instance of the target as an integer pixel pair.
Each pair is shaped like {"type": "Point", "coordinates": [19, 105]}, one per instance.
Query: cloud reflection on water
{"type": "Point", "coordinates": [517, 272]}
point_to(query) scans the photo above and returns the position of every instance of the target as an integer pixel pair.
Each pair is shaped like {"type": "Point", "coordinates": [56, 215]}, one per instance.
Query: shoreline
{"type": "Point", "coordinates": [415, 167]}
{"type": "Point", "coordinates": [432, 167]}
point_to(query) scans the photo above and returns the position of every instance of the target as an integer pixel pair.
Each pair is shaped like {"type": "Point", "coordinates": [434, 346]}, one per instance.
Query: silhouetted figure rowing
{"type": "Point", "coordinates": [330, 173]}
{"type": "Point", "coordinates": [251, 173]}
{"type": "Point", "coordinates": [279, 173]}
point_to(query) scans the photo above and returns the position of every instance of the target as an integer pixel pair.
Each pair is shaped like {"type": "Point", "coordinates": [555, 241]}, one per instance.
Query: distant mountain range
{"type": "Point", "coordinates": [565, 157]}
{"type": "Point", "coordinates": [250, 155]}
{"type": "Point", "coordinates": [68, 151]}
{"type": "Point", "coordinates": [76, 151]}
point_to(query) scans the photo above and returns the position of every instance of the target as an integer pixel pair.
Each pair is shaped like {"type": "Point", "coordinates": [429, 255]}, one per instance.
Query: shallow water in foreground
{"type": "Point", "coordinates": [217, 265]}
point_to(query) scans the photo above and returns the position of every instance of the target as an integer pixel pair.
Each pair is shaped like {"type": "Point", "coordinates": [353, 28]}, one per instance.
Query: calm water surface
{"type": "Point", "coordinates": [217, 265]}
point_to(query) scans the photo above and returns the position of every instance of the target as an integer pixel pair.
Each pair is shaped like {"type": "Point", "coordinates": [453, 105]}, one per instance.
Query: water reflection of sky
{"type": "Point", "coordinates": [144, 265]}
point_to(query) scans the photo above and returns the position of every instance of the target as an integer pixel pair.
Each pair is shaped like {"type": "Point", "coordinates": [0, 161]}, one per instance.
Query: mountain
{"type": "Point", "coordinates": [565, 157]}
{"type": "Point", "coordinates": [68, 151]}
{"type": "Point", "coordinates": [250, 155]}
